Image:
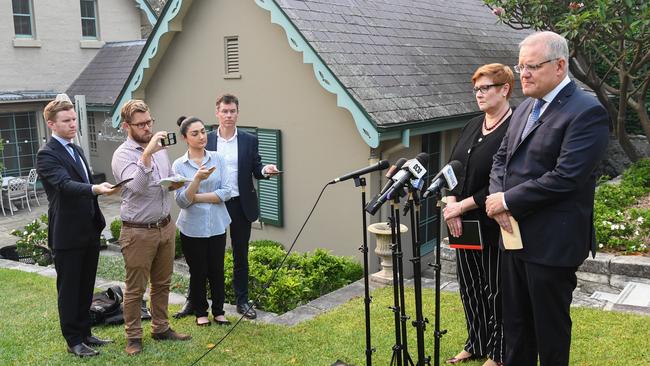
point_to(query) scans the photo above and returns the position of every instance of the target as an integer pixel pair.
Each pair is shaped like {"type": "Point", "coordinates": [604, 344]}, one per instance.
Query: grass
{"type": "Point", "coordinates": [30, 335]}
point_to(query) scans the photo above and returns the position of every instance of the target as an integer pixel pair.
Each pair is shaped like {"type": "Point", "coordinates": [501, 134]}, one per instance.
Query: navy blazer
{"type": "Point", "coordinates": [74, 218]}
{"type": "Point", "coordinates": [549, 179]}
{"type": "Point", "coordinates": [249, 165]}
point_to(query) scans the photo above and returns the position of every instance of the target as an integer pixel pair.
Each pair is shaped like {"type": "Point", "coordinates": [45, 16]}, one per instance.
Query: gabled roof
{"type": "Point", "coordinates": [401, 67]}
{"type": "Point", "coordinates": [103, 78]}
{"type": "Point", "coordinates": [405, 60]}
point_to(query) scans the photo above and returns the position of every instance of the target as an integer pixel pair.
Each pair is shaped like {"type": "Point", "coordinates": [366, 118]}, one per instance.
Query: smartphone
{"type": "Point", "coordinates": [119, 184]}
{"type": "Point", "coordinates": [169, 140]}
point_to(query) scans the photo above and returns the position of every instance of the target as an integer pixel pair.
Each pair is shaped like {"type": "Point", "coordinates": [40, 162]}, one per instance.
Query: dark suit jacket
{"type": "Point", "coordinates": [249, 164]}
{"type": "Point", "coordinates": [75, 220]}
{"type": "Point", "coordinates": [548, 178]}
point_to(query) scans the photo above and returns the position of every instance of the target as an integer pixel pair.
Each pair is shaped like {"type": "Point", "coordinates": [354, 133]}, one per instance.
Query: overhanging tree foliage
{"type": "Point", "coordinates": [609, 43]}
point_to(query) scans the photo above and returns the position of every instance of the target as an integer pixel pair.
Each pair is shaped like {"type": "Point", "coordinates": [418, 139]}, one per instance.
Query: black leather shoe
{"type": "Point", "coordinates": [247, 310]}
{"type": "Point", "coordinates": [82, 350]}
{"type": "Point", "coordinates": [185, 311]}
{"type": "Point", "coordinates": [96, 342]}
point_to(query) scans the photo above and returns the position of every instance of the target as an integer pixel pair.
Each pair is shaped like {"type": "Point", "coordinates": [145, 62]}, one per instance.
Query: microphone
{"type": "Point", "coordinates": [447, 177]}
{"type": "Point", "coordinates": [413, 168]}
{"type": "Point", "coordinates": [381, 165]}
{"type": "Point", "coordinates": [394, 169]}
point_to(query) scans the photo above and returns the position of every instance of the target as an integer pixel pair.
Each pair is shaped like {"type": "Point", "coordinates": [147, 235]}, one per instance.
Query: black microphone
{"type": "Point", "coordinates": [447, 177]}
{"type": "Point", "coordinates": [390, 173]}
{"type": "Point", "coordinates": [381, 165]}
{"type": "Point", "coordinates": [412, 168]}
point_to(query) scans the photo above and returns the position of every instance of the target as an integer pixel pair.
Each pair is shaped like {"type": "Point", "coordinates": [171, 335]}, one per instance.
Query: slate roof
{"type": "Point", "coordinates": [405, 60]}
{"type": "Point", "coordinates": [102, 80]}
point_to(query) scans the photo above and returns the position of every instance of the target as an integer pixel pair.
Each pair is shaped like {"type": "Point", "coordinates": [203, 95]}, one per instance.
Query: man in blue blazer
{"type": "Point", "coordinates": [543, 176]}
{"type": "Point", "coordinates": [243, 162]}
{"type": "Point", "coordinates": [75, 223]}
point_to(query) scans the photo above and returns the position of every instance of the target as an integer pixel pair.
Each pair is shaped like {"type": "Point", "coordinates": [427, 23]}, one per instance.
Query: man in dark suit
{"type": "Point", "coordinates": [543, 176]}
{"type": "Point", "coordinates": [243, 162]}
{"type": "Point", "coordinates": [75, 224]}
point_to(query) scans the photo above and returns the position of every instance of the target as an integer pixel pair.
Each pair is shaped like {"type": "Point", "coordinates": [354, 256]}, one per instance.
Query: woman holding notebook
{"type": "Point", "coordinates": [478, 269]}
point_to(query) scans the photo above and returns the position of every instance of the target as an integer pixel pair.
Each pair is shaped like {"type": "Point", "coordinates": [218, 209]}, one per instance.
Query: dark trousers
{"type": "Point", "coordinates": [75, 281]}
{"type": "Point", "coordinates": [479, 280]}
{"type": "Point", "coordinates": [204, 256]}
{"type": "Point", "coordinates": [536, 309]}
{"type": "Point", "coordinates": [240, 234]}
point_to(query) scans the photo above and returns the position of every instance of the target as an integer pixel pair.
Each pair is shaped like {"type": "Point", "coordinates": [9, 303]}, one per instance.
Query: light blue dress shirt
{"type": "Point", "coordinates": [203, 219]}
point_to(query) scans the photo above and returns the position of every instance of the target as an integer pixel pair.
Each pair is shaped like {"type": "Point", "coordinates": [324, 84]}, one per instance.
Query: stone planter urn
{"type": "Point", "coordinates": [382, 233]}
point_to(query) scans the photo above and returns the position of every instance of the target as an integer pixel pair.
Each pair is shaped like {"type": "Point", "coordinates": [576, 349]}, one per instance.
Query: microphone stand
{"type": "Point", "coordinates": [398, 271]}
{"type": "Point", "coordinates": [437, 268]}
{"type": "Point", "coordinates": [361, 182]}
{"type": "Point", "coordinates": [397, 347]}
{"type": "Point", "coordinates": [420, 321]}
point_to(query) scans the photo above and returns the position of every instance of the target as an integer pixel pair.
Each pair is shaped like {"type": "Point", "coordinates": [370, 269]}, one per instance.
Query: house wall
{"type": "Point", "coordinates": [276, 90]}
{"type": "Point", "coordinates": [60, 57]}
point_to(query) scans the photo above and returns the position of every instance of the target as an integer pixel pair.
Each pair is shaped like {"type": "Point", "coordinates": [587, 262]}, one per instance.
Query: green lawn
{"type": "Point", "coordinates": [30, 335]}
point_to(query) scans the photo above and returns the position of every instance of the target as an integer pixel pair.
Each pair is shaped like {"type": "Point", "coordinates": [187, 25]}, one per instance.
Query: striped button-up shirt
{"type": "Point", "coordinates": [144, 200]}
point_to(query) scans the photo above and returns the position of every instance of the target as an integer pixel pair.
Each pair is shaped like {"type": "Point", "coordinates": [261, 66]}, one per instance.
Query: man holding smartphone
{"type": "Point", "coordinates": [243, 162]}
{"type": "Point", "coordinates": [148, 236]}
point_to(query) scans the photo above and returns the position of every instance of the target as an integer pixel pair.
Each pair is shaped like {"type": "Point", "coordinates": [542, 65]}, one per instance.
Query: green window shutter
{"type": "Point", "coordinates": [270, 190]}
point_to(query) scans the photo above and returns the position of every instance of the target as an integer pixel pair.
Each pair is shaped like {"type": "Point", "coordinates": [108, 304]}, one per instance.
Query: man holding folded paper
{"type": "Point", "coordinates": [543, 178]}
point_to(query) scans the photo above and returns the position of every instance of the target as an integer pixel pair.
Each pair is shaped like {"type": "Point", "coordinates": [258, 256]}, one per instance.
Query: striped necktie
{"type": "Point", "coordinates": [534, 116]}
{"type": "Point", "coordinates": [77, 160]}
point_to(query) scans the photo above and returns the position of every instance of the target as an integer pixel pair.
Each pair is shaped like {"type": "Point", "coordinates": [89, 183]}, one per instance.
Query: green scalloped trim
{"type": "Point", "coordinates": [149, 54]}
{"type": "Point", "coordinates": [146, 8]}
{"type": "Point", "coordinates": [298, 43]}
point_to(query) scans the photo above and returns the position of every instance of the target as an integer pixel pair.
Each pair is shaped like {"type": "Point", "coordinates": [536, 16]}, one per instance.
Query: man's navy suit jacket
{"type": "Point", "coordinates": [548, 178]}
{"type": "Point", "coordinates": [74, 218]}
{"type": "Point", "coordinates": [249, 164]}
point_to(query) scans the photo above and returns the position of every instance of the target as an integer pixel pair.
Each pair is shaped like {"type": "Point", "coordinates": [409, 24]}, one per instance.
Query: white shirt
{"type": "Point", "coordinates": [228, 149]}
{"type": "Point", "coordinates": [553, 93]}
{"type": "Point", "coordinates": [66, 143]}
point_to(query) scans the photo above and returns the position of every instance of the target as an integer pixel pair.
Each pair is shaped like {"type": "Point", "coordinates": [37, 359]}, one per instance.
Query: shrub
{"type": "Point", "coordinates": [116, 227]}
{"type": "Point", "coordinates": [304, 277]}
{"type": "Point", "coordinates": [617, 227]}
{"type": "Point", "coordinates": [32, 241]}
{"type": "Point", "coordinates": [178, 249]}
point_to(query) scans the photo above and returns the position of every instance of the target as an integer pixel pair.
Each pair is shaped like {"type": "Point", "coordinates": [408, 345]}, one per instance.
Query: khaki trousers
{"type": "Point", "coordinates": [148, 256]}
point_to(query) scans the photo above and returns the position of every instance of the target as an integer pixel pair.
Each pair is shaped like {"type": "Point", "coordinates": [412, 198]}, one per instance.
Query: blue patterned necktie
{"type": "Point", "coordinates": [534, 116]}
{"type": "Point", "coordinates": [77, 160]}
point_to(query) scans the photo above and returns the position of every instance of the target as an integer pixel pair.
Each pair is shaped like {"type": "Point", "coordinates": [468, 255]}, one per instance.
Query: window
{"type": "Point", "coordinates": [231, 51]}
{"type": "Point", "coordinates": [89, 19]}
{"type": "Point", "coordinates": [92, 133]}
{"type": "Point", "coordinates": [23, 18]}
{"type": "Point", "coordinates": [269, 190]}
{"type": "Point", "coordinates": [429, 224]}
{"type": "Point", "coordinates": [19, 135]}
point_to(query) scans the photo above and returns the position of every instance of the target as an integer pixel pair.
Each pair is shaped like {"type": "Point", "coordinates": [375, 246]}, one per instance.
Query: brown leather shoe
{"type": "Point", "coordinates": [171, 335]}
{"type": "Point", "coordinates": [133, 346]}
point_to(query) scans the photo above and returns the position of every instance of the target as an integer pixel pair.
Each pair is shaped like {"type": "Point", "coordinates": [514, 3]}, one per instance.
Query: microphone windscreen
{"type": "Point", "coordinates": [422, 158]}
{"type": "Point", "coordinates": [393, 169]}
{"type": "Point", "coordinates": [457, 166]}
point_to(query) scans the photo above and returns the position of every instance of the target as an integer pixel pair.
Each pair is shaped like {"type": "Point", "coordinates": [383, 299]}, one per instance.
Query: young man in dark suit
{"type": "Point", "coordinates": [543, 176]}
{"type": "Point", "coordinates": [243, 162]}
{"type": "Point", "coordinates": [75, 224]}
